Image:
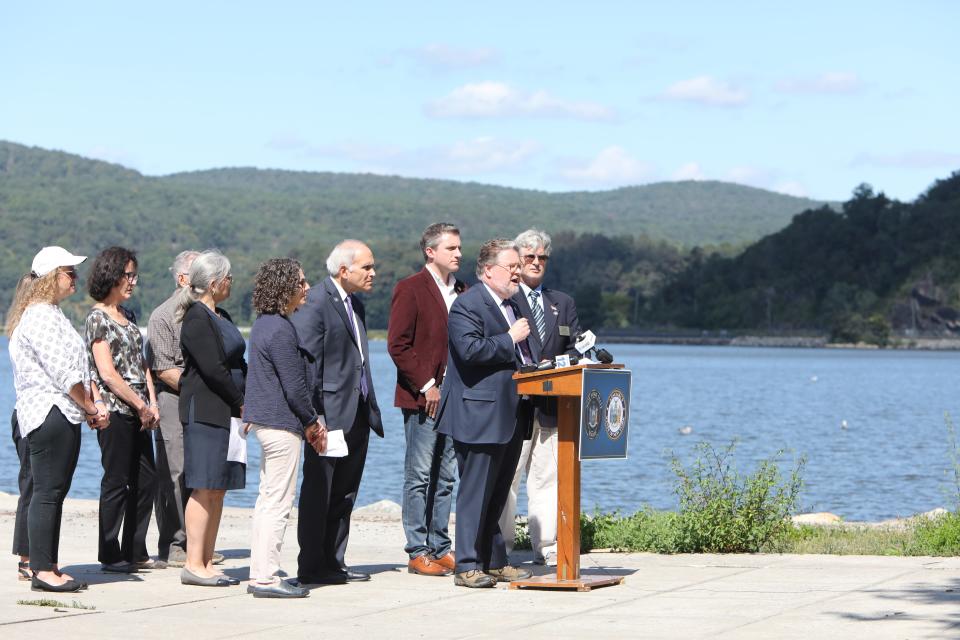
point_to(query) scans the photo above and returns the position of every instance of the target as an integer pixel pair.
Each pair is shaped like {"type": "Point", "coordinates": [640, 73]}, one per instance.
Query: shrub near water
{"type": "Point", "coordinates": [720, 510]}
{"type": "Point", "coordinates": [724, 512]}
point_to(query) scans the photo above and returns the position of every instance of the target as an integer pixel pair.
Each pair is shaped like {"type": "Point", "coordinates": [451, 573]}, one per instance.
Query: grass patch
{"type": "Point", "coordinates": [47, 602]}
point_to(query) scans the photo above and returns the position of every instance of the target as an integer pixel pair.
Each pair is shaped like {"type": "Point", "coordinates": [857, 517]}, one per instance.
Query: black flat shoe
{"type": "Point", "coordinates": [281, 589]}
{"type": "Point", "coordinates": [119, 567]}
{"type": "Point", "coordinates": [36, 584]}
{"type": "Point", "coordinates": [23, 571]}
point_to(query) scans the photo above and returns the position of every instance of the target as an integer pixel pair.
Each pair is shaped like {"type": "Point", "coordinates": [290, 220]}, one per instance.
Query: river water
{"type": "Point", "coordinates": [871, 425]}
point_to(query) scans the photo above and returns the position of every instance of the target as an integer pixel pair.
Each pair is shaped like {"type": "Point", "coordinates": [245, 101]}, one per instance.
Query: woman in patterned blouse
{"type": "Point", "coordinates": [129, 476]}
{"type": "Point", "coordinates": [51, 374]}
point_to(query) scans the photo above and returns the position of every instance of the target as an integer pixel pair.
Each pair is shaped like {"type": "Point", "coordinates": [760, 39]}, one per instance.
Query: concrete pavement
{"type": "Point", "coordinates": [682, 596]}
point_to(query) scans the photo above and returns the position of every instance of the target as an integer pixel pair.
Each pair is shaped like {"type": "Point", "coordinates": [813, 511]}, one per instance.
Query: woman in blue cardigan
{"type": "Point", "coordinates": [281, 415]}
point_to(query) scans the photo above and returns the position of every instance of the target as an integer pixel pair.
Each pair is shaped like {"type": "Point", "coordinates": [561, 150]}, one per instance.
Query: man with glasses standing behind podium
{"type": "Point", "coordinates": [553, 331]}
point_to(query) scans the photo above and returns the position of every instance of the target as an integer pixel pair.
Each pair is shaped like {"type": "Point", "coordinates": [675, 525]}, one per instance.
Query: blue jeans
{"type": "Point", "coordinates": [429, 471]}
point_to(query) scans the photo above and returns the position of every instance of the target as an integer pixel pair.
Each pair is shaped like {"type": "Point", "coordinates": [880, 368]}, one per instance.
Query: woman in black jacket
{"type": "Point", "coordinates": [211, 393]}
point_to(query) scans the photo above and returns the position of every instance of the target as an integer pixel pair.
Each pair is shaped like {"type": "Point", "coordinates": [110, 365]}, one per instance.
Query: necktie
{"type": "Point", "coordinates": [353, 326]}
{"type": "Point", "coordinates": [525, 356]}
{"type": "Point", "coordinates": [538, 315]}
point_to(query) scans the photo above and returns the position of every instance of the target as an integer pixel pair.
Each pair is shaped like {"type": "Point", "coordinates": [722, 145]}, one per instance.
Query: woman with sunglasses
{"type": "Point", "coordinates": [128, 486]}
{"type": "Point", "coordinates": [51, 375]}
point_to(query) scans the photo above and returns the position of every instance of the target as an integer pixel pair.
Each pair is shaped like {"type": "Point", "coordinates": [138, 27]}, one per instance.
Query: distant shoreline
{"type": "Point", "coordinates": [784, 342]}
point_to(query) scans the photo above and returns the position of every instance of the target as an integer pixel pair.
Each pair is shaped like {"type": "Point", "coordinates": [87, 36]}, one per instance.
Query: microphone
{"type": "Point", "coordinates": [586, 343]}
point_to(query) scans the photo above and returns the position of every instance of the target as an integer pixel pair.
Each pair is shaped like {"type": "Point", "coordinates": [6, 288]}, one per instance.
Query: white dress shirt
{"type": "Point", "coordinates": [356, 327]}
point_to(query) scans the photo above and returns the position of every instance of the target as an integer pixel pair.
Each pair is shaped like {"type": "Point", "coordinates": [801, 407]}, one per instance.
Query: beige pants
{"type": "Point", "coordinates": [279, 463]}
{"type": "Point", "coordinates": [538, 462]}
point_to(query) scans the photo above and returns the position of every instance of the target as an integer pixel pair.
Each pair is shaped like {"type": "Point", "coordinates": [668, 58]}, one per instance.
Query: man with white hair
{"type": "Point", "coordinates": [331, 328]}
{"type": "Point", "coordinates": [554, 326]}
{"type": "Point", "coordinates": [166, 362]}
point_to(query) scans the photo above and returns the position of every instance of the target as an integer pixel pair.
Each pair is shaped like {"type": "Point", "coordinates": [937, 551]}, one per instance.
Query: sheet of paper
{"type": "Point", "coordinates": [237, 448]}
{"type": "Point", "coordinates": [336, 444]}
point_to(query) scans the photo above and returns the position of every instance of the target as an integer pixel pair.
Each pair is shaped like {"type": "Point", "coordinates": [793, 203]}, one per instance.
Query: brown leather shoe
{"type": "Point", "coordinates": [509, 574]}
{"type": "Point", "coordinates": [474, 579]}
{"type": "Point", "coordinates": [448, 561]}
{"type": "Point", "coordinates": [424, 566]}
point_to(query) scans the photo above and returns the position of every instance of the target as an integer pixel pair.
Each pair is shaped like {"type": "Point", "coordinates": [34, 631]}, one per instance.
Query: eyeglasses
{"type": "Point", "coordinates": [228, 277]}
{"type": "Point", "coordinates": [529, 258]}
{"type": "Point", "coordinates": [508, 267]}
{"type": "Point", "coordinates": [131, 276]}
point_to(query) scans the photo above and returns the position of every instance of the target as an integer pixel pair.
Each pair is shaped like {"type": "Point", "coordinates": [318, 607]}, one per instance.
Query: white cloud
{"type": "Point", "coordinates": [114, 155]}
{"type": "Point", "coordinates": [750, 176]}
{"type": "Point", "coordinates": [707, 90]}
{"type": "Point", "coordinates": [461, 158]}
{"type": "Point", "coordinates": [613, 166]}
{"type": "Point", "coordinates": [497, 99]}
{"type": "Point", "coordinates": [689, 171]}
{"type": "Point", "coordinates": [827, 83]}
{"type": "Point", "coordinates": [920, 159]}
{"type": "Point", "coordinates": [791, 188]}
{"type": "Point", "coordinates": [480, 155]}
{"type": "Point", "coordinates": [443, 56]}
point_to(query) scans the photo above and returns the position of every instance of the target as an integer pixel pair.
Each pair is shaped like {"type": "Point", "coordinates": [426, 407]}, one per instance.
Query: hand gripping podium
{"type": "Point", "coordinates": [567, 385]}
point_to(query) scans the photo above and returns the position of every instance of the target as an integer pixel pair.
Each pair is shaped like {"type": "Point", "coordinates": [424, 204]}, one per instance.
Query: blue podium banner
{"type": "Point", "coordinates": [604, 413]}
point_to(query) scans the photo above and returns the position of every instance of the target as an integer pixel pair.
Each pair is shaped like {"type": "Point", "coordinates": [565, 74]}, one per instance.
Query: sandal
{"type": "Point", "coordinates": [23, 571]}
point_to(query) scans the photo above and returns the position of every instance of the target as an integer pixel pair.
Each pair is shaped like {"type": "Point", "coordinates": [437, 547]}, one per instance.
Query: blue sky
{"type": "Point", "coordinates": [809, 99]}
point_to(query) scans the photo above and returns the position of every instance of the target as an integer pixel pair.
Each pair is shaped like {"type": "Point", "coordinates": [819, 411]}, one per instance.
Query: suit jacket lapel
{"type": "Point", "coordinates": [337, 302]}
{"type": "Point", "coordinates": [493, 307]}
{"type": "Point", "coordinates": [434, 290]}
{"type": "Point", "coordinates": [550, 319]}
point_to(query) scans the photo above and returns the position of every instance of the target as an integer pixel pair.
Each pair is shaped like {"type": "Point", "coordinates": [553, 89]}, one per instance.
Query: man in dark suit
{"type": "Point", "coordinates": [417, 342]}
{"type": "Point", "coordinates": [331, 328]}
{"type": "Point", "coordinates": [479, 409]}
{"type": "Point", "coordinates": [554, 326]}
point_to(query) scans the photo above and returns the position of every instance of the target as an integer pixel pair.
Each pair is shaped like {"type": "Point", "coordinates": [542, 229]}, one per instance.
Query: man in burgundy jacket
{"type": "Point", "coordinates": [417, 342]}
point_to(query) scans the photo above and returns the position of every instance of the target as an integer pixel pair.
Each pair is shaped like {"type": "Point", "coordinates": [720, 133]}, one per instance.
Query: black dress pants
{"type": "Point", "coordinates": [127, 490]}
{"type": "Point", "coordinates": [21, 537]}
{"type": "Point", "coordinates": [486, 473]}
{"type": "Point", "coordinates": [54, 449]}
{"type": "Point", "coordinates": [327, 497]}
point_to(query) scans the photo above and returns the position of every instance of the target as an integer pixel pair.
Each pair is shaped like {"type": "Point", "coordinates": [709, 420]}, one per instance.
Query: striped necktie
{"type": "Point", "coordinates": [538, 314]}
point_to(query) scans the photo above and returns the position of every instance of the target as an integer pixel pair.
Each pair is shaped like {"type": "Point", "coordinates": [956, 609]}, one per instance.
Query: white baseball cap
{"type": "Point", "coordinates": [49, 258]}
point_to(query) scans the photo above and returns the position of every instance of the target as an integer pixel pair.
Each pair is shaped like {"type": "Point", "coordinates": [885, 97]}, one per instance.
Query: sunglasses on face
{"type": "Point", "coordinates": [529, 258]}
{"type": "Point", "coordinates": [131, 276]}
{"type": "Point", "coordinates": [70, 273]}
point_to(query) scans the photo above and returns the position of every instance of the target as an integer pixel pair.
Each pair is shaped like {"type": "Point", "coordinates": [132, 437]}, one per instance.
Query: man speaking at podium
{"type": "Point", "coordinates": [479, 409]}
{"type": "Point", "coordinates": [554, 326]}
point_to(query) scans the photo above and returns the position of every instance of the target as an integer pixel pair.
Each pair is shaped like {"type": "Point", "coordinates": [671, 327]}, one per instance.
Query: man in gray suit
{"type": "Point", "coordinates": [479, 410]}
{"type": "Point", "coordinates": [331, 328]}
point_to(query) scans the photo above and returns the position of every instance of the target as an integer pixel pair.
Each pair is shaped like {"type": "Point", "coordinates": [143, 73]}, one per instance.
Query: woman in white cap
{"type": "Point", "coordinates": [51, 375]}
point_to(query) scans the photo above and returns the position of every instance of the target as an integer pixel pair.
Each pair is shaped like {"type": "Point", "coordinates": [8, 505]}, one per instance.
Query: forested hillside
{"type": "Point", "coordinates": [877, 264]}
{"type": "Point", "coordinates": [50, 197]}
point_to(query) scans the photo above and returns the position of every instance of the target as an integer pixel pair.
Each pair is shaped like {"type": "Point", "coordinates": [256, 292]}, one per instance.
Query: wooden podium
{"type": "Point", "coordinates": [567, 385]}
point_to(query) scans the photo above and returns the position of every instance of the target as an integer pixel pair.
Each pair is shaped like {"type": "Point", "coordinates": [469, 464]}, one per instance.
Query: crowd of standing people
{"type": "Point", "coordinates": [172, 416]}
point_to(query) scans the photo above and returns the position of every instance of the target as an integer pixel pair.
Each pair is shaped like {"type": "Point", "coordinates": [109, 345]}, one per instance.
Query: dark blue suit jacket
{"type": "Point", "coordinates": [326, 334]}
{"type": "Point", "coordinates": [479, 401]}
{"type": "Point", "coordinates": [560, 314]}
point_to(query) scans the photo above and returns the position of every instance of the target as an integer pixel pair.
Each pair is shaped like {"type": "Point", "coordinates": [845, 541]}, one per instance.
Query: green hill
{"type": "Point", "coordinates": [875, 265]}
{"type": "Point", "coordinates": [51, 197]}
